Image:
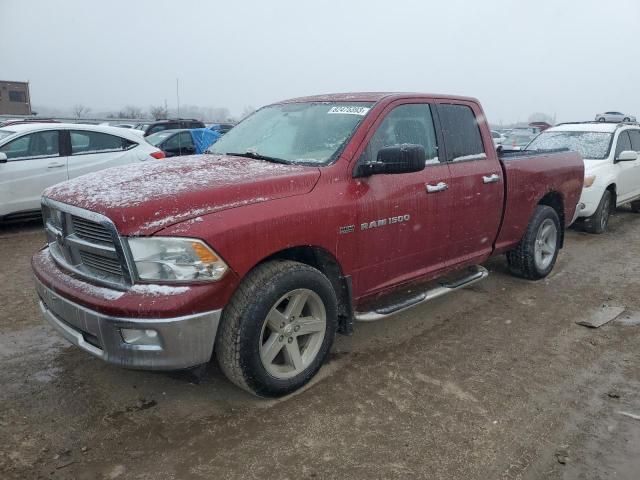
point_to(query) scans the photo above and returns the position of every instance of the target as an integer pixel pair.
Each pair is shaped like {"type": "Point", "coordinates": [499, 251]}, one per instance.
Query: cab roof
{"type": "Point", "coordinates": [371, 97]}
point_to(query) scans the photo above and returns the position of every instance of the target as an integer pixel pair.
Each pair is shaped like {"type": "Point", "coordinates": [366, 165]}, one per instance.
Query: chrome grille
{"type": "Point", "coordinates": [92, 231]}
{"type": "Point", "coordinates": [85, 243]}
{"type": "Point", "coordinates": [101, 264]}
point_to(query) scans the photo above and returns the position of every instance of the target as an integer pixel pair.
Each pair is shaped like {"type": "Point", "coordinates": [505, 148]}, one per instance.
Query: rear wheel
{"type": "Point", "coordinates": [536, 254]}
{"type": "Point", "coordinates": [597, 223]}
{"type": "Point", "coordinates": [278, 328]}
{"type": "Point", "coordinates": [626, 119]}
{"type": "Point", "coordinates": [601, 119]}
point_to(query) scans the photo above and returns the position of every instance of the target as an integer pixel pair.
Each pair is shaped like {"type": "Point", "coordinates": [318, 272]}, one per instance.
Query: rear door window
{"type": "Point", "coordinates": [85, 142]}
{"type": "Point", "coordinates": [461, 133]}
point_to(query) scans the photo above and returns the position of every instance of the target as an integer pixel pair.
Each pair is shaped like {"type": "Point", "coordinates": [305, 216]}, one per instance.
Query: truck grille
{"type": "Point", "coordinates": [91, 231]}
{"type": "Point", "coordinates": [85, 243]}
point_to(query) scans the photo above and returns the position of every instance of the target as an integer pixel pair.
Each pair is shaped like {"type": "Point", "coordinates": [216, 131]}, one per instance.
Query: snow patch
{"type": "Point", "coordinates": [158, 290]}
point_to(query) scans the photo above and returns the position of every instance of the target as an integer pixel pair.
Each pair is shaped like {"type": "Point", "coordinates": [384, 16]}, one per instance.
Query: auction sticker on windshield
{"type": "Point", "coordinates": [349, 110]}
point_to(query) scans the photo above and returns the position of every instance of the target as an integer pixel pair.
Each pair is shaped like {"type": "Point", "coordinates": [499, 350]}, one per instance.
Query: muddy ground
{"type": "Point", "coordinates": [493, 382]}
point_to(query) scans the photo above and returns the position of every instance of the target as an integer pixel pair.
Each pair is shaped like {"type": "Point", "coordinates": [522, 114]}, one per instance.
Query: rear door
{"type": "Point", "coordinates": [33, 164]}
{"type": "Point", "coordinates": [402, 228]}
{"type": "Point", "coordinates": [91, 151]}
{"type": "Point", "coordinates": [628, 173]}
{"type": "Point", "coordinates": [476, 186]}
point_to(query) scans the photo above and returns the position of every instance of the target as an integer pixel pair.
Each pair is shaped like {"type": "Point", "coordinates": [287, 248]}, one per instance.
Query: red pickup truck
{"type": "Point", "coordinates": [308, 215]}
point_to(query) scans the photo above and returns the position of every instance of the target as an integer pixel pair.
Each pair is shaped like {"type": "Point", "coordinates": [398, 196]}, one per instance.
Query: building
{"type": "Point", "coordinates": [14, 98]}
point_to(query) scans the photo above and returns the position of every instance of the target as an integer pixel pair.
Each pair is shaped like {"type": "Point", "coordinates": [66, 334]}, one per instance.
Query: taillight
{"type": "Point", "coordinates": [158, 155]}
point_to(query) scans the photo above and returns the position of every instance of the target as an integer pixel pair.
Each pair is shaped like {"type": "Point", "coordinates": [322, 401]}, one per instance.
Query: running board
{"type": "Point", "coordinates": [476, 274]}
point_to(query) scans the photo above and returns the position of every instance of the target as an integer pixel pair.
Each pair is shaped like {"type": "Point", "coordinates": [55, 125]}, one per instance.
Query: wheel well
{"type": "Point", "coordinates": [613, 189]}
{"type": "Point", "coordinates": [555, 201]}
{"type": "Point", "coordinates": [324, 261]}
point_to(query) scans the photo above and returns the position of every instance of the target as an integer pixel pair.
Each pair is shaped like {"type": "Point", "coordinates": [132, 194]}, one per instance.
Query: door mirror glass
{"type": "Point", "coordinates": [3, 157]}
{"type": "Point", "coordinates": [627, 156]}
{"type": "Point", "coordinates": [404, 158]}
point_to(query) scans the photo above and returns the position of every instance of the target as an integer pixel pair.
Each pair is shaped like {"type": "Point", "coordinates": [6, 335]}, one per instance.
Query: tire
{"type": "Point", "coordinates": [531, 259]}
{"type": "Point", "coordinates": [635, 206]}
{"type": "Point", "coordinates": [597, 223]}
{"type": "Point", "coordinates": [601, 119]}
{"type": "Point", "coordinates": [268, 293]}
{"type": "Point", "coordinates": [626, 119]}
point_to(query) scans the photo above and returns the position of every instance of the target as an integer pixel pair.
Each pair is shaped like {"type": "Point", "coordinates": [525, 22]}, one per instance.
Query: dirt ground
{"type": "Point", "coordinates": [493, 382]}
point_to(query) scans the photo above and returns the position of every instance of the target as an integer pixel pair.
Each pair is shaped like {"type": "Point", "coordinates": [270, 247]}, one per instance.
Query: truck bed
{"type": "Point", "coordinates": [529, 177]}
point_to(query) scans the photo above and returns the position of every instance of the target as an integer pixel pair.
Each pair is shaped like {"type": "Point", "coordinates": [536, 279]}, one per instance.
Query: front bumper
{"type": "Point", "coordinates": [181, 342]}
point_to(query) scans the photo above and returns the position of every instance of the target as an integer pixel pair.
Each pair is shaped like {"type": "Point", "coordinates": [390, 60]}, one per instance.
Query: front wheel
{"type": "Point", "coordinates": [626, 119]}
{"type": "Point", "coordinates": [601, 119]}
{"type": "Point", "coordinates": [597, 223]}
{"type": "Point", "coordinates": [536, 254]}
{"type": "Point", "coordinates": [278, 328]}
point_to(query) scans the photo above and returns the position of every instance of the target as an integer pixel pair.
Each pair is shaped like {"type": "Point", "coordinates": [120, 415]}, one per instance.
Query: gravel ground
{"type": "Point", "coordinates": [493, 382]}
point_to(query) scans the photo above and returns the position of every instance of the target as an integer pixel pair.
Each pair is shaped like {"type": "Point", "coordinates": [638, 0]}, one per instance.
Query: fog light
{"type": "Point", "coordinates": [139, 337]}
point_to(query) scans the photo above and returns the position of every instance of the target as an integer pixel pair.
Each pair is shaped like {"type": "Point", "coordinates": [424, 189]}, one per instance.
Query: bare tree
{"type": "Point", "coordinates": [159, 112]}
{"type": "Point", "coordinates": [80, 110]}
{"type": "Point", "coordinates": [131, 112]}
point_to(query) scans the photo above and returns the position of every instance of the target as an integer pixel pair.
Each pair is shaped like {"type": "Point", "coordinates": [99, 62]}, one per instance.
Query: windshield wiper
{"type": "Point", "coordinates": [257, 156]}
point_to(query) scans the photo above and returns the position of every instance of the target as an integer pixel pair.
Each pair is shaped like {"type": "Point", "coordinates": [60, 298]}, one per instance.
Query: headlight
{"type": "Point", "coordinates": [588, 180]}
{"type": "Point", "coordinates": [172, 259]}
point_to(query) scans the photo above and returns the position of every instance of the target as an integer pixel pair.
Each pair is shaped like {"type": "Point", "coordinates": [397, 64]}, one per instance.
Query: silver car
{"type": "Point", "coordinates": [614, 117]}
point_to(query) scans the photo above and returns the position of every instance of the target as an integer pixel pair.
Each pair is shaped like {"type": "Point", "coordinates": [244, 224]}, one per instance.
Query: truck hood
{"type": "Point", "coordinates": [145, 197]}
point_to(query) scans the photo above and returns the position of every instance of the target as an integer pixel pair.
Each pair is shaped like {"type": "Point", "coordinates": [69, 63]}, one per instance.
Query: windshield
{"type": "Point", "coordinates": [591, 145]}
{"type": "Point", "coordinates": [156, 139]}
{"type": "Point", "coordinates": [5, 133]}
{"type": "Point", "coordinates": [307, 133]}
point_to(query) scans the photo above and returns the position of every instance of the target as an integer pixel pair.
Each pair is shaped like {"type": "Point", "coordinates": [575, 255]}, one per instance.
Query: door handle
{"type": "Point", "coordinates": [440, 187]}
{"type": "Point", "coordinates": [493, 178]}
{"type": "Point", "coordinates": [55, 165]}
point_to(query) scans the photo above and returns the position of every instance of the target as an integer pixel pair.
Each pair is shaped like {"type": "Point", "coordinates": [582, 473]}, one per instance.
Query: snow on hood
{"type": "Point", "coordinates": [143, 198]}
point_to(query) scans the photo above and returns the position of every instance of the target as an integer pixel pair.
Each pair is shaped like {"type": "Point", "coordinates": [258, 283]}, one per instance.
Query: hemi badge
{"type": "Point", "coordinates": [347, 229]}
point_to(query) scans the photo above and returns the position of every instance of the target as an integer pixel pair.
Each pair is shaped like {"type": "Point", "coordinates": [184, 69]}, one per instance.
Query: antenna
{"type": "Point", "coordinates": [178, 95]}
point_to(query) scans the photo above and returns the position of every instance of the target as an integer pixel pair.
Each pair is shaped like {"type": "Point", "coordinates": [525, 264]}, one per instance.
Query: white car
{"type": "Point", "coordinates": [498, 138]}
{"type": "Point", "coordinates": [35, 156]}
{"type": "Point", "coordinates": [614, 117]}
{"type": "Point", "coordinates": [611, 163]}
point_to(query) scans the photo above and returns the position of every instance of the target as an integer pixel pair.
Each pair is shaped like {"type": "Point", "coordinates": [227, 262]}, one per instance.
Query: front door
{"type": "Point", "coordinates": [477, 186]}
{"type": "Point", "coordinates": [33, 164]}
{"type": "Point", "coordinates": [402, 219]}
{"type": "Point", "coordinates": [628, 172]}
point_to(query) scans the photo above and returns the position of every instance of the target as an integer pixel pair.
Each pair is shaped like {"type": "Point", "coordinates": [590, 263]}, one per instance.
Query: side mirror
{"type": "Point", "coordinates": [3, 157]}
{"type": "Point", "coordinates": [405, 158]}
{"type": "Point", "coordinates": [627, 156]}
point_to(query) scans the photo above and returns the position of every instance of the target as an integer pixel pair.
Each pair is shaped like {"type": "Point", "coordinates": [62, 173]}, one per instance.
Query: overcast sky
{"type": "Point", "coordinates": [570, 58]}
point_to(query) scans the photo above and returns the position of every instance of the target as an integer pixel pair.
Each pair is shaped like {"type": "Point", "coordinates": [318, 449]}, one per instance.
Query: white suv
{"type": "Point", "coordinates": [611, 163]}
{"type": "Point", "coordinates": [35, 156]}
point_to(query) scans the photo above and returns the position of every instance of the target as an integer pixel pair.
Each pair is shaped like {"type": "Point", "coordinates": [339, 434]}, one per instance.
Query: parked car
{"type": "Point", "coordinates": [34, 156]}
{"type": "Point", "coordinates": [221, 128]}
{"type": "Point", "coordinates": [612, 167]}
{"type": "Point", "coordinates": [309, 214]}
{"type": "Point", "coordinates": [498, 138]}
{"type": "Point", "coordinates": [518, 139]}
{"type": "Point", "coordinates": [124, 125]}
{"type": "Point", "coordinates": [183, 142]}
{"type": "Point", "coordinates": [541, 126]}
{"type": "Point", "coordinates": [172, 124]}
{"type": "Point", "coordinates": [614, 117]}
